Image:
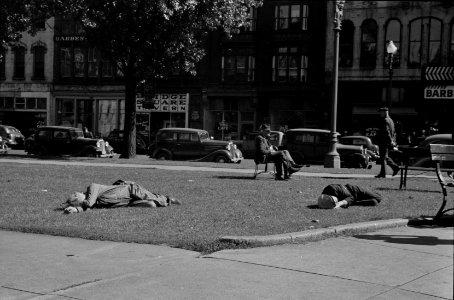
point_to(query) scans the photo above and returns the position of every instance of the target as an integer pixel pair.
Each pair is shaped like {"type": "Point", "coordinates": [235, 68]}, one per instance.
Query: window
{"type": "Point", "coordinates": [65, 62]}
{"type": "Point", "coordinates": [107, 69]}
{"type": "Point", "coordinates": [2, 62]}
{"type": "Point", "coordinates": [19, 62]}
{"type": "Point", "coordinates": [368, 44]}
{"type": "Point", "coordinates": [79, 62]}
{"type": "Point", "coordinates": [252, 19]}
{"type": "Point", "coordinates": [425, 42]}
{"type": "Point", "coordinates": [92, 62]}
{"type": "Point", "coordinates": [291, 16]}
{"type": "Point", "coordinates": [238, 68]}
{"type": "Point", "coordinates": [289, 65]}
{"type": "Point", "coordinates": [393, 30]}
{"type": "Point", "coordinates": [451, 49]}
{"type": "Point", "coordinates": [38, 62]}
{"type": "Point", "coordinates": [346, 44]}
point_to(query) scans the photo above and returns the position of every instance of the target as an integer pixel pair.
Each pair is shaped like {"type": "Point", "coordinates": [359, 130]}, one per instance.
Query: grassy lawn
{"type": "Point", "coordinates": [214, 204]}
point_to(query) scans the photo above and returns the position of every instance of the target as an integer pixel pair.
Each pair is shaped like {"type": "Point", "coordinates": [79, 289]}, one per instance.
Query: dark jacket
{"type": "Point", "coordinates": [351, 193]}
{"type": "Point", "coordinates": [262, 148]}
{"type": "Point", "coordinates": [386, 134]}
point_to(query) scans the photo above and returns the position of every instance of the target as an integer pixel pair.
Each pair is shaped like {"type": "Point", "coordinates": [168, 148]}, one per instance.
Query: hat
{"type": "Point", "coordinates": [383, 109]}
{"type": "Point", "coordinates": [75, 199]}
{"type": "Point", "coordinates": [265, 127]}
{"type": "Point", "coordinates": [327, 201]}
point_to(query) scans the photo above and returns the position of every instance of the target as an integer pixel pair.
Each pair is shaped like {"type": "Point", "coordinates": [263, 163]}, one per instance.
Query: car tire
{"type": "Point", "coordinates": [162, 156]}
{"type": "Point", "coordinates": [39, 150]}
{"type": "Point", "coordinates": [221, 159]}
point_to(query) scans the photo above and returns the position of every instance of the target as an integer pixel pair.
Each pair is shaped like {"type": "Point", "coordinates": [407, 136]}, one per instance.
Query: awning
{"type": "Point", "coordinates": [367, 110]}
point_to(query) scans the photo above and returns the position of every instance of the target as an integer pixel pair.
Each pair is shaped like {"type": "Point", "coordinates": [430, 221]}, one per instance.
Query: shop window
{"type": "Point", "coordinates": [393, 32]}
{"type": "Point", "coordinates": [238, 68]}
{"type": "Point", "coordinates": [38, 62]}
{"type": "Point", "coordinates": [2, 62]}
{"type": "Point", "coordinates": [19, 63]}
{"type": "Point", "coordinates": [368, 44]}
{"type": "Point", "coordinates": [289, 65]}
{"type": "Point", "coordinates": [290, 17]}
{"type": "Point", "coordinates": [84, 113]}
{"type": "Point", "coordinates": [19, 103]}
{"type": "Point", "coordinates": [65, 112]}
{"type": "Point", "coordinates": [41, 103]}
{"type": "Point", "coordinates": [30, 103]}
{"type": "Point", "coordinates": [346, 44]}
{"type": "Point", "coordinates": [9, 102]}
{"type": "Point", "coordinates": [65, 62]}
{"type": "Point", "coordinates": [79, 62]}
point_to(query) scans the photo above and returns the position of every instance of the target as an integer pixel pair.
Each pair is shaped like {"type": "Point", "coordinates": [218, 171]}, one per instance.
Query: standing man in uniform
{"type": "Point", "coordinates": [386, 139]}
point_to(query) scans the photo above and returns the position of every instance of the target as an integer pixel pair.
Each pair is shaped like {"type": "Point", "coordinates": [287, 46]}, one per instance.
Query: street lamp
{"type": "Point", "coordinates": [332, 159]}
{"type": "Point", "coordinates": [391, 49]}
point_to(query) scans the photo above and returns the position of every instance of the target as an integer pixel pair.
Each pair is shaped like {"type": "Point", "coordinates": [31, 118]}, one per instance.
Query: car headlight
{"type": "Point", "coordinates": [107, 144]}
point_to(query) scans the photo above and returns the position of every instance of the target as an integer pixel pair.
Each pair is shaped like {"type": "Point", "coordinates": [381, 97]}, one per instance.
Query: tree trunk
{"type": "Point", "coordinates": [130, 116]}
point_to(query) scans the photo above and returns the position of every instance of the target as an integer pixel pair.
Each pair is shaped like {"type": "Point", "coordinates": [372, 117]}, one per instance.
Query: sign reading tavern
{"type": "Point", "coordinates": [439, 92]}
{"type": "Point", "coordinates": [163, 103]}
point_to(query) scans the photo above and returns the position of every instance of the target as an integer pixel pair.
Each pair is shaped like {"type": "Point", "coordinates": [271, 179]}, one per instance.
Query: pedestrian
{"type": "Point", "coordinates": [339, 195]}
{"type": "Point", "coordinates": [120, 194]}
{"type": "Point", "coordinates": [386, 140]}
{"type": "Point", "coordinates": [265, 152]}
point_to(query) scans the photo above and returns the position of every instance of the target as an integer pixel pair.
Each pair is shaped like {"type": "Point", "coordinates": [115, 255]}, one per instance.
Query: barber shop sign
{"type": "Point", "coordinates": [163, 103]}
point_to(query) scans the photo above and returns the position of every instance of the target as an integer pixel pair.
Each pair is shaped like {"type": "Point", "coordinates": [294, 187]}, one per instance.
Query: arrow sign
{"type": "Point", "coordinates": [440, 73]}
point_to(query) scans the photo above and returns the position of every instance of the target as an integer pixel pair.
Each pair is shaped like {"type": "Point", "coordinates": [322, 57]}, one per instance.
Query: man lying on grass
{"type": "Point", "coordinates": [339, 195]}
{"type": "Point", "coordinates": [120, 194]}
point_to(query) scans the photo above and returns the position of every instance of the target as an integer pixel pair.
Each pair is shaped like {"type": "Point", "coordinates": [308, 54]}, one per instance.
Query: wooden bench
{"type": "Point", "coordinates": [406, 154]}
{"type": "Point", "coordinates": [443, 155]}
{"type": "Point", "coordinates": [257, 170]}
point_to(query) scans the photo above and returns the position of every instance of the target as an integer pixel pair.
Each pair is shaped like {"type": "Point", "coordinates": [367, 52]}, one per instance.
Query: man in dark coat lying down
{"type": "Point", "coordinates": [120, 194]}
{"type": "Point", "coordinates": [339, 195]}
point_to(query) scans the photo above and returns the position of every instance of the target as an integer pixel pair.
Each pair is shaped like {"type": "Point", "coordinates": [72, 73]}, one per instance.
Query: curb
{"type": "Point", "coordinates": [315, 234]}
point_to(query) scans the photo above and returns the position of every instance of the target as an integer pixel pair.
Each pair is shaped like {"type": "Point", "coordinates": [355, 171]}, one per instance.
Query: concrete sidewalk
{"type": "Point", "coordinates": [398, 263]}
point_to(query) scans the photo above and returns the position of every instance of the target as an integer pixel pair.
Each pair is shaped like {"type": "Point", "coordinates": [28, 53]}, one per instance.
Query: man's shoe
{"type": "Point", "coordinates": [292, 170]}
{"type": "Point", "coordinates": [280, 178]}
{"type": "Point", "coordinates": [380, 176]}
{"type": "Point", "coordinates": [296, 166]}
{"type": "Point", "coordinates": [288, 177]}
{"type": "Point", "coordinates": [396, 170]}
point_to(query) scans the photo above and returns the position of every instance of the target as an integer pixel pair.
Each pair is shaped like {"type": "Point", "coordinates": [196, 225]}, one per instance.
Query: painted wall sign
{"type": "Point", "coordinates": [164, 103]}
{"type": "Point", "coordinates": [439, 92]}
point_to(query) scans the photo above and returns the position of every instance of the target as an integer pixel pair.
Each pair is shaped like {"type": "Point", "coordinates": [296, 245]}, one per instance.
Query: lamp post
{"type": "Point", "coordinates": [391, 49]}
{"type": "Point", "coordinates": [332, 159]}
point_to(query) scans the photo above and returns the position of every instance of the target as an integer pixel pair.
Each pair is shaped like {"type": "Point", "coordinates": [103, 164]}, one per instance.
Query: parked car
{"type": "Point", "coordinates": [192, 144]}
{"type": "Point", "coordinates": [419, 155]}
{"type": "Point", "coordinates": [247, 144]}
{"type": "Point", "coordinates": [361, 140]}
{"type": "Point", "coordinates": [115, 139]}
{"type": "Point", "coordinates": [60, 140]}
{"type": "Point", "coordinates": [3, 147]}
{"type": "Point", "coordinates": [12, 136]}
{"type": "Point", "coordinates": [308, 145]}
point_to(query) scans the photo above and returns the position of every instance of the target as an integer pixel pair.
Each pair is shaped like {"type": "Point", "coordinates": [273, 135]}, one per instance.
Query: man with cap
{"type": "Point", "coordinates": [264, 151]}
{"type": "Point", "coordinates": [339, 195]}
{"type": "Point", "coordinates": [120, 194]}
{"type": "Point", "coordinates": [386, 140]}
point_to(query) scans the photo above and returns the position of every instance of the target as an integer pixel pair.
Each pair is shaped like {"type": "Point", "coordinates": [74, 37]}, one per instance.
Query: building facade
{"type": "Point", "coordinates": [423, 32]}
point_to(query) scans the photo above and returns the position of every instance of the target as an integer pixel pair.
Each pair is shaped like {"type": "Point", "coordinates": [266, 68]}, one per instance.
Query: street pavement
{"type": "Point", "coordinates": [395, 261]}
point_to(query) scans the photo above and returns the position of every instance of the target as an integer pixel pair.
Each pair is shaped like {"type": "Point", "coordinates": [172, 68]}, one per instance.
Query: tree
{"type": "Point", "coordinates": [148, 38]}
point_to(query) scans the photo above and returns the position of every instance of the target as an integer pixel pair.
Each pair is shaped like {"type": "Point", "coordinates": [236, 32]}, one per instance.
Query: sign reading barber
{"type": "Point", "coordinates": [164, 103]}
{"type": "Point", "coordinates": [439, 92]}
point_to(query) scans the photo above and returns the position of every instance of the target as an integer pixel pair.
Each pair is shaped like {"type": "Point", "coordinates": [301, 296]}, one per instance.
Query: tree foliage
{"type": "Point", "coordinates": [149, 38]}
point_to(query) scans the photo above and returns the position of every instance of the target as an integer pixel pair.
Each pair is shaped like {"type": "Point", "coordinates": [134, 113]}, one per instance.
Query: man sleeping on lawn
{"type": "Point", "coordinates": [120, 194]}
{"type": "Point", "coordinates": [339, 195]}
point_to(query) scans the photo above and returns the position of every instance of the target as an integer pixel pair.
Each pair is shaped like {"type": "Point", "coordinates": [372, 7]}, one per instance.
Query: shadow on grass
{"type": "Point", "coordinates": [313, 206]}
{"type": "Point", "coordinates": [235, 177]}
{"type": "Point", "coordinates": [407, 190]}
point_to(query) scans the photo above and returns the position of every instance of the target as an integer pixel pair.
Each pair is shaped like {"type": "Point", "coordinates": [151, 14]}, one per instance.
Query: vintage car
{"type": "Point", "coordinates": [247, 144]}
{"type": "Point", "coordinates": [361, 140]}
{"type": "Point", "coordinates": [307, 145]}
{"type": "Point", "coordinates": [12, 136]}
{"type": "Point", "coordinates": [115, 139]}
{"type": "Point", "coordinates": [419, 155]}
{"type": "Point", "coordinates": [60, 140]}
{"type": "Point", "coordinates": [192, 144]}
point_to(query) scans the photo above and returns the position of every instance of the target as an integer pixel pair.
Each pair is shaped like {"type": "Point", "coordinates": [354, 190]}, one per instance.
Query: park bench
{"type": "Point", "coordinates": [443, 156]}
{"type": "Point", "coordinates": [258, 171]}
{"type": "Point", "coordinates": [407, 152]}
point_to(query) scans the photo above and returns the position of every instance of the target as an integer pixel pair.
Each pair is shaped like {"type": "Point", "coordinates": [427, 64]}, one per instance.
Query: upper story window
{"type": "Point", "coordinates": [2, 62]}
{"type": "Point", "coordinates": [393, 33]}
{"type": "Point", "coordinates": [289, 65]}
{"type": "Point", "coordinates": [425, 42]}
{"type": "Point", "coordinates": [451, 48]}
{"type": "Point", "coordinates": [19, 62]}
{"type": "Point", "coordinates": [38, 61]}
{"type": "Point", "coordinates": [252, 19]}
{"type": "Point", "coordinates": [368, 44]}
{"type": "Point", "coordinates": [93, 59]}
{"type": "Point", "coordinates": [346, 44]}
{"type": "Point", "coordinates": [238, 65]}
{"type": "Point", "coordinates": [291, 16]}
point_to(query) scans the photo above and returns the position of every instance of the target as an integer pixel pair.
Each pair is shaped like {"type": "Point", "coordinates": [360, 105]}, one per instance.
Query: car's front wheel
{"type": "Point", "coordinates": [163, 156]}
{"type": "Point", "coordinates": [38, 150]}
{"type": "Point", "coordinates": [220, 159]}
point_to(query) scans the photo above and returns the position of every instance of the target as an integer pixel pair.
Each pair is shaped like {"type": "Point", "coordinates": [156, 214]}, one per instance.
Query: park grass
{"type": "Point", "coordinates": [214, 204]}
